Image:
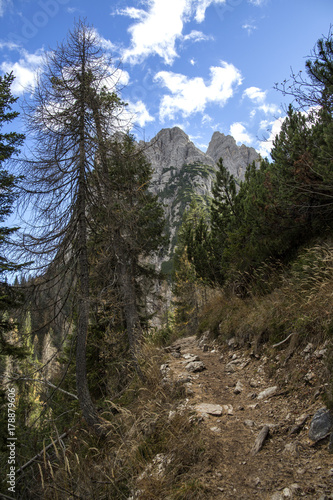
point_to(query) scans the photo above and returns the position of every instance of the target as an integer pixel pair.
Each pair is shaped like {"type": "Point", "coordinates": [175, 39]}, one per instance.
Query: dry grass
{"type": "Point", "coordinates": [299, 300]}
{"type": "Point", "coordinates": [147, 449]}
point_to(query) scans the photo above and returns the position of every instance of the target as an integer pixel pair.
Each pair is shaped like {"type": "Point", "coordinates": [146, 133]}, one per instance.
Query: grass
{"type": "Point", "coordinates": [147, 449]}
{"type": "Point", "coordinates": [294, 300]}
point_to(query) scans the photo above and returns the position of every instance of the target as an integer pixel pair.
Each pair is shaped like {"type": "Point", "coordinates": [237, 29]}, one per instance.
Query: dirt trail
{"type": "Point", "coordinates": [288, 465]}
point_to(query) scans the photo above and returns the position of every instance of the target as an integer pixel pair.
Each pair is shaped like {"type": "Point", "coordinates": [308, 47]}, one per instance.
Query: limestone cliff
{"type": "Point", "coordinates": [183, 172]}
{"type": "Point", "coordinates": [235, 158]}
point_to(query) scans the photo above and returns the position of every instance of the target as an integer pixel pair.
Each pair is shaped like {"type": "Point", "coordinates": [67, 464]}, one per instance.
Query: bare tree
{"type": "Point", "coordinates": [74, 106]}
{"type": "Point", "coordinates": [314, 88]}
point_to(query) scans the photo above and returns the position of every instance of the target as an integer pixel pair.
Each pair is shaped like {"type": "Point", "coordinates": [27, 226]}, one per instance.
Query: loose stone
{"type": "Point", "coordinates": [267, 392]}
{"type": "Point", "coordinates": [210, 409]}
{"type": "Point", "coordinates": [195, 366]}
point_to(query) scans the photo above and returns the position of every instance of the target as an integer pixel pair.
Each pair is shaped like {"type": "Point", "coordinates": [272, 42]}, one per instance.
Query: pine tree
{"type": "Point", "coordinates": [224, 217]}
{"type": "Point", "coordinates": [130, 222]}
{"type": "Point", "coordinates": [9, 146]}
{"type": "Point", "coordinates": [74, 107]}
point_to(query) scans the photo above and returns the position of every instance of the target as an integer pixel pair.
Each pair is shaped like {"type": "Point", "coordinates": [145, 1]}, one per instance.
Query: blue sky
{"type": "Point", "coordinates": [203, 65]}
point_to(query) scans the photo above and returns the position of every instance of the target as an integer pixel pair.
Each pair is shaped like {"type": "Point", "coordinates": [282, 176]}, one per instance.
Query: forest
{"type": "Point", "coordinates": [79, 352]}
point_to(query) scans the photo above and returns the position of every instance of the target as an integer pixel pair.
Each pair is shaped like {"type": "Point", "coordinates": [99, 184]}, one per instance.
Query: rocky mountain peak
{"type": "Point", "coordinates": [171, 147]}
{"type": "Point", "coordinates": [235, 158]}
{"type": "Point", "coordinates": [182, 172]}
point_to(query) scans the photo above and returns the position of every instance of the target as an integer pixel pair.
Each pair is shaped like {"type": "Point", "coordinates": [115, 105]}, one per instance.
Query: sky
{"type": "Point", "coordinates": [202, 65]}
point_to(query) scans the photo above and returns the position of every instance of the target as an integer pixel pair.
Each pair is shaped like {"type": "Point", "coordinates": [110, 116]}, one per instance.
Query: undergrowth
{"type": "Point", "coordinates": [294, 301]}
{"type": "Point", "coordinates": [154, 452]}
{"type": "Point", "coordinates": [150, 449]}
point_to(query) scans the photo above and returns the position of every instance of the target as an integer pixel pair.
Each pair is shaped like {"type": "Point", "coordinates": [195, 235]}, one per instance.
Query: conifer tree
{"type": "Point", "coordinates": [9, 146]}
{"type": "Point", "coordinates": [75, 105]}
{"type": "Point", "coordinates": [130, 222]}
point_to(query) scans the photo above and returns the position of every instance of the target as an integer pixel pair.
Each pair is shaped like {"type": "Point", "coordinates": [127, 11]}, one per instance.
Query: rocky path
{"type": "Point", "coordinates": [233, 399]}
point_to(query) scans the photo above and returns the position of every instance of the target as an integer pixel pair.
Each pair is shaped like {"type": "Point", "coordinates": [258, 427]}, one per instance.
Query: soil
{"type": "Point", "coordinates": [289, 465]}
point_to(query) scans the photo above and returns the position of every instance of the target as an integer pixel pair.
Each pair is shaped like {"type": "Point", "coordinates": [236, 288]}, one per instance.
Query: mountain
{"type": "Point", "coordinates": [235, 158]}
{"type": "Point", "coordinates": [183, 172]}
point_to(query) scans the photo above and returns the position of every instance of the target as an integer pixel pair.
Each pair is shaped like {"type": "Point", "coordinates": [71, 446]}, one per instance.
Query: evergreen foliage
{"type": "Point", "coordinates": [284, 202]}
{"type": "Point", "coordinates": [130, 223]}
{"type": "Point", "coordinates": [9, 146]}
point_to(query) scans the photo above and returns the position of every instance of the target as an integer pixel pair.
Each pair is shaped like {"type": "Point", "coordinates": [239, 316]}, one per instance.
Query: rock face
{"type": "Point", "coordinates": [183, 172]}
{"type": "Point", "coordinates": [172, 149]}
{"type": "Point", "coordinates": [235, 158]}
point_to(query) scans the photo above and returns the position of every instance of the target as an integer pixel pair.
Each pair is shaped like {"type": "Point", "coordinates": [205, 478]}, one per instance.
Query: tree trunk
{"type": "Point", "coordinates": [88, 409]}
{"type": "Point", "coordinates": [128, 294]}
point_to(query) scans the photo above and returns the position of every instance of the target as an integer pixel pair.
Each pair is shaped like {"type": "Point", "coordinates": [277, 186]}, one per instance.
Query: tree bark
{"type": "Point", "coordinates": [128, 294]}
{"type": "Point", "coordinates": [88, 410]}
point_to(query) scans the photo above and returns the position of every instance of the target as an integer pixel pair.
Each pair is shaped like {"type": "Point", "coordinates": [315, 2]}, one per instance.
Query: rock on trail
{"type": "Point", "coordinates": [255, 432]}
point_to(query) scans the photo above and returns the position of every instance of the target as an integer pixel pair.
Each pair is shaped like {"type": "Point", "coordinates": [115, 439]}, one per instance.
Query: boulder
{"type": "Point", "coordinates": [209, 409]}
{"type": "Point", "coordinates": [239, 387]}
{"type": "Point", "coordinates": [321, 424]}
{"type": "Point", "coordinates": [267, 393]}
{"type": "Point", "coordinates": [191, 357]}
{"type": "Point", "coordinates": [195, 366]}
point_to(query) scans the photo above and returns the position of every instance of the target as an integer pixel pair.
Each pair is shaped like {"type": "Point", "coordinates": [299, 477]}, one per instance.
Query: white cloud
{"type": "Point", "coordinates": [255, 94]}
{"type": "Point", "coordinates": [250, 27]}
{"type": "Point", "coordinates": [206, 119]}
{"type": "Point", "coordinates": [9, 45]}
{"type": "Point", "coordinates": [201, 6]}
{"type": "Point", "coordinates": [191, 95]}
{"type": "Point", "coordinates": [274, 127]}
{"type": "Point", "coordinates": [269, 109]}
{"type": "Point", "coordinates": [140, 112]}
{"type": "Point", "coordinates": [258, 3]}
{"type": "Point", "coordinates": [133, 13]}
{"type": "Point", "coordinates": [160, 26]}
{"type": "Point", "coordinates": [239, 133]}
{"type": "Point", "coordinates": [3, 6]}
{"type": "Point", "coordinates": [24, 70]}
{"type": "Point", "coordinates": [107, 45]}
{"type": "Point", "coordinates": [197, 36]}
{"type": "Point", "coordinates": [157, 30]}
{"type": "Point", "coordinates": [74, 10]}
{"type": "Point", "coordinates": [258, 97]}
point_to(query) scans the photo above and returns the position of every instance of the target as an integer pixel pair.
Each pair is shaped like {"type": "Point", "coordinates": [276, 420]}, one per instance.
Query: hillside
{"type": "Point", "coordinates": [160, 444]}
{"type": "Point", "coordinates": [190, 432]}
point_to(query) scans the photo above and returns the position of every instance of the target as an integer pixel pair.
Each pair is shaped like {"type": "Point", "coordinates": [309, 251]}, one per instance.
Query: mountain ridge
{"type": "Point", "coordinates": [173, 147]}
{"type": "Point", "coordinates": [182, 172]}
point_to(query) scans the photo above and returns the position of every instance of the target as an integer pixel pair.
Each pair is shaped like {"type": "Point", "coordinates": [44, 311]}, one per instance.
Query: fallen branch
{"type": "Point", "coordinates": [40, 454]}
{"type": "Point", "coordinates": [283, 341]}
{"type": "Point", "coordinates": [46, 382]}
{"type": "Point", "coordinates": [297, 427]}
{"type": "Point", "coordinates": [259, 442]}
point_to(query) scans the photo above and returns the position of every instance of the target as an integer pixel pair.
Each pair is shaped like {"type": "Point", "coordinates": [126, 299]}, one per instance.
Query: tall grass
{"type": "Point", "coordinates": [146, 450]}
{"type": "Point", "coordinates": [280, 300]}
